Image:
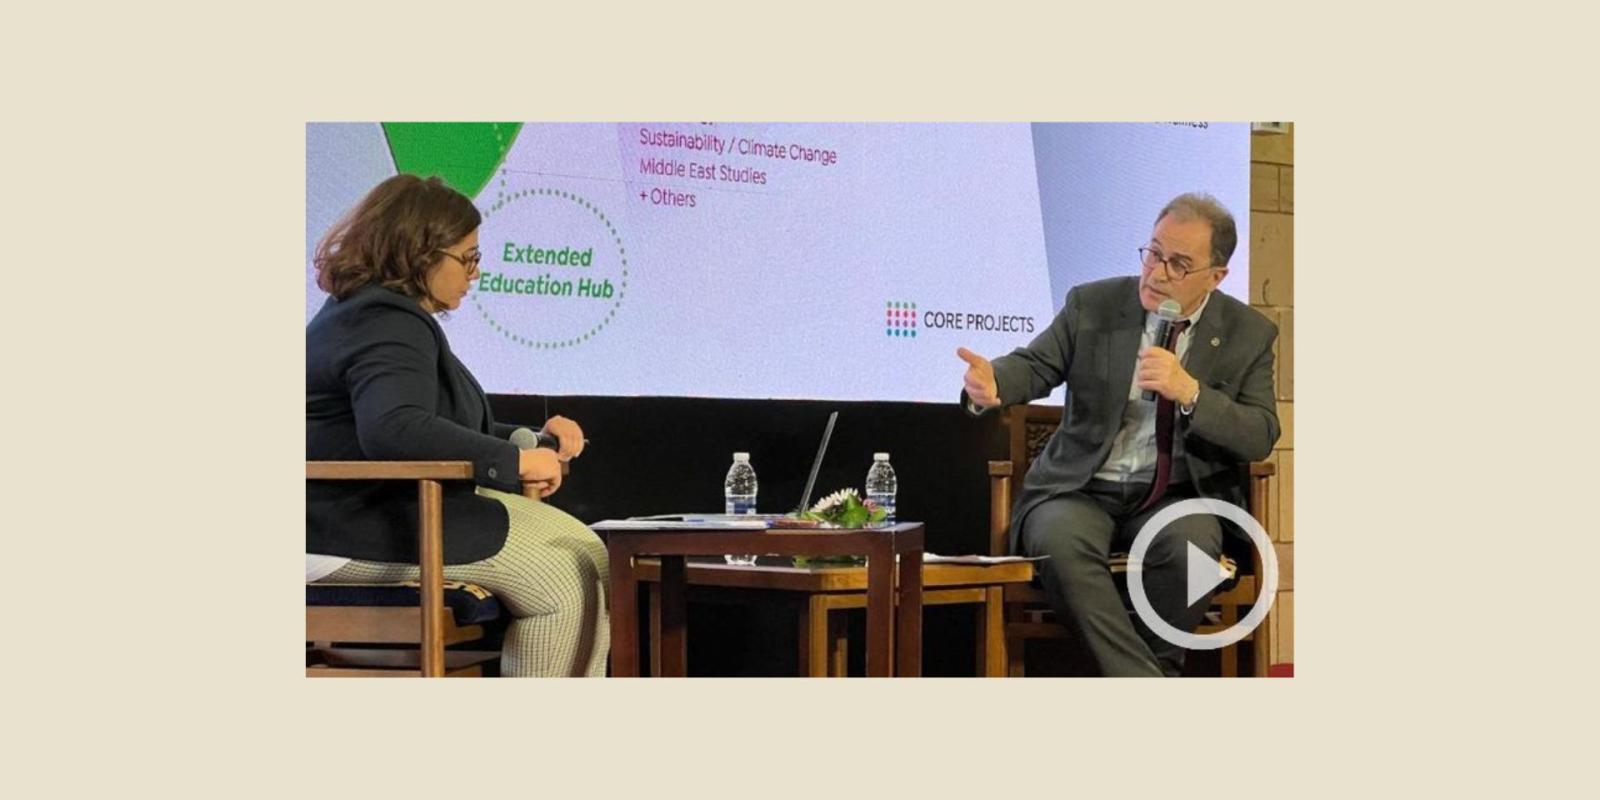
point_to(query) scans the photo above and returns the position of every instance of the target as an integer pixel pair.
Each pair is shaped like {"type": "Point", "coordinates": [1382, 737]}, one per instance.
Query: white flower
{"type": "Point", "coordinates": [832, 501]}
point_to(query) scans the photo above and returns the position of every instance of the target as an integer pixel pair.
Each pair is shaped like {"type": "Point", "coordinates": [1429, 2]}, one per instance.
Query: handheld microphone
{"type": "Point", "coordinates": [528, 439]}
{"type": "Point", "coordinates": [1168, 312]}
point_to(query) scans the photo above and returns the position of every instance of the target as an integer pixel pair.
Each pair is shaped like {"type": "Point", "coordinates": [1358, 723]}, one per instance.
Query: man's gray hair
{"type": "Point", "coordinates": [1199, 205]}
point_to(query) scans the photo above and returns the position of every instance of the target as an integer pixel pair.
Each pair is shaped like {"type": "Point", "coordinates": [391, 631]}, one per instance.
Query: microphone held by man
{"type": "Point", "coordinates": [1168, 312]}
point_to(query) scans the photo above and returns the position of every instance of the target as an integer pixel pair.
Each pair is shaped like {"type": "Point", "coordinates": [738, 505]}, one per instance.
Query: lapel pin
{"type": "Point", "coordinates": [1215, 341]}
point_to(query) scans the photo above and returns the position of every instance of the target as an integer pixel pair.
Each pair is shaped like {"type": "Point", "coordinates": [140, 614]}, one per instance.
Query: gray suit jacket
{"type": "Point", "coordinates": [1092, 346]}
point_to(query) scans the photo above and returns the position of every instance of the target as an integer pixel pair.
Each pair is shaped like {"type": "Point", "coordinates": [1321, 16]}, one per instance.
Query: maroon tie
{"type": "Point", "coordinates": [1164, 419]}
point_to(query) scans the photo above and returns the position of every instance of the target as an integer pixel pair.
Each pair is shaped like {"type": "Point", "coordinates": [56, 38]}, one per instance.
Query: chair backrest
{"type": "Point", "coordinates": [1028, 428]}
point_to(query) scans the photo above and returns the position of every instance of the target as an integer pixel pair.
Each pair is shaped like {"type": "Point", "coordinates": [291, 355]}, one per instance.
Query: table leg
{"type": "Point", "coordinates": [653, 610]}
{"type": "Point", "coordinates": [1229, 654]}
{"type": "Point", "coordinates": [838, 643]}
{"type": "Point", "coordinates": [674, 633]}
{"type": "Point", "coordinates": [908, 622]}
{"type": "Point", "coordinates": [992, 633]}
{"type": "Point", "coordinates": [624, 614]}
{"type": "Point", "coordinates": [814, 636]}
{"type": "Point", "coordinates": [880, 609]}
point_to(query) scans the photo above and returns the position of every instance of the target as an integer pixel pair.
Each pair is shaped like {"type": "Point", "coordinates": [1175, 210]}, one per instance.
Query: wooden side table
{"type": "Point", "coordinates": [813, 593]}
{"type": "Point", "coordinates": [894, 629]}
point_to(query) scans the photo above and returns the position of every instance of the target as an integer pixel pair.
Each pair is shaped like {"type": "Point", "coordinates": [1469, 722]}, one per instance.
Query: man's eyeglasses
{"type": "Point", "coordinates": [1178, 267]}
{"type": "Point", "coordinates": [470, 260]}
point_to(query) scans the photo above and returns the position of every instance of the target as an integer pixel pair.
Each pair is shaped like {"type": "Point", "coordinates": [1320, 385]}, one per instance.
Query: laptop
{"type": "Point", "coordinates": [805, 496]}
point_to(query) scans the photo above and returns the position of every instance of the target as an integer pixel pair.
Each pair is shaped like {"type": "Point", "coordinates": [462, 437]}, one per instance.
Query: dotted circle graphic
{"type": "Point", "coordinates": [622, 291]}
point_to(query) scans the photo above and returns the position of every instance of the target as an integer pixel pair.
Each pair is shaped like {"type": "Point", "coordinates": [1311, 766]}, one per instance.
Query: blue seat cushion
{"type": "Point", "coordinates": [469, 603]}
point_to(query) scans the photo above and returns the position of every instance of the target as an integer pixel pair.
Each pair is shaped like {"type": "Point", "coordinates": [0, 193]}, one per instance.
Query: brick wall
{"type": "Point", "coordinates": [1272, 292]}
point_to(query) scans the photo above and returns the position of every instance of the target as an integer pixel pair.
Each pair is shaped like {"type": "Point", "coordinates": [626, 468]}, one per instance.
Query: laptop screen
{"type": "Point", "coordinates": [816, 463]}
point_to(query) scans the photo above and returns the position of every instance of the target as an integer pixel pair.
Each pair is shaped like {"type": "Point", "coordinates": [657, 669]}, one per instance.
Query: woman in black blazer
{"type": "Point", "coordinates": [382, 384]}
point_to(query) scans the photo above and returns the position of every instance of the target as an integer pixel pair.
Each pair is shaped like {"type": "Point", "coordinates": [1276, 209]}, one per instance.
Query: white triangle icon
{"type": "Point", "coordinates": [1204, 574]}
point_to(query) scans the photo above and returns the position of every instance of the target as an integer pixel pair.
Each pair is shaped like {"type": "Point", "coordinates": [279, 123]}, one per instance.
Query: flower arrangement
{"type": "Point", "coordinates": [845, 509]}
{"type": "Point", "coordinates": [842, 509]}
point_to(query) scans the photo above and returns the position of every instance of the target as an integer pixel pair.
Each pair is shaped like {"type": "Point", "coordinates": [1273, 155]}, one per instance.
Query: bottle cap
{"type": "Point", "coordinates": [741, 456]}
{"type": "Point", "coordinates": [880, 456]}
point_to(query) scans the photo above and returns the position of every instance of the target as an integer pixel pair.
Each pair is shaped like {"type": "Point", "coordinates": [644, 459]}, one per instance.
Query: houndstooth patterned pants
{"type": "Point", "coordinates": [551, 575]}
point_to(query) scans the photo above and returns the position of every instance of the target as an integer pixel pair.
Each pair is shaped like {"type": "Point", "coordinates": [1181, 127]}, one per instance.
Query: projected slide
{"type": "Point", "coordinates": [812, 261]}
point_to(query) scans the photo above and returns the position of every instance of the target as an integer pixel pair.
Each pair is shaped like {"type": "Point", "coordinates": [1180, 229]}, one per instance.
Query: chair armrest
{"type": "Point", "coordinates": [1260, 492]}
{"type": "Point", "coordinates": [388, 470]}
{"type": "Point", "coordinates": [402, 470]}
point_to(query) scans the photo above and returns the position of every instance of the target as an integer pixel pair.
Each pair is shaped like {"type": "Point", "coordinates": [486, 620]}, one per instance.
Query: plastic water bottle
{"type": "Point", "coordinates": [739, 496]}
{"type": "Point", "coordinates": [881, 485]}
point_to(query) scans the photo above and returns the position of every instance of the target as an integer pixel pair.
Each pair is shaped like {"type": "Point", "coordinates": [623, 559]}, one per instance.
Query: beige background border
{"type": "Point", "coordinates": [157, 175]}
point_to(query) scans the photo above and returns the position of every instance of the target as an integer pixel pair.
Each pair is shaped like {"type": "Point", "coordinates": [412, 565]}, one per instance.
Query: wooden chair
{"type": "Point", "coordinates": [359, 640]}
{"type": "Point", "coordinates": [1027, 609]}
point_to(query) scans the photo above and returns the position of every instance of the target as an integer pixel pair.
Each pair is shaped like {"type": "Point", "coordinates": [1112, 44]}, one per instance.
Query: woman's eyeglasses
{"type": "Point", "coordinates": [470, 260]}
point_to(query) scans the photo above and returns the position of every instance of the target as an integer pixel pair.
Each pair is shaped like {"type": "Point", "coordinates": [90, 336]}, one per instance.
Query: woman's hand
{"type": "Point", "coordinates": [569, 433]}
{"type": "Point", "coordinates": [542, 468]}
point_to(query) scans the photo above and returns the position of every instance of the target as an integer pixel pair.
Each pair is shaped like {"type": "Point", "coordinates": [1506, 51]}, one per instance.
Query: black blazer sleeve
{"type": "Point", "coordinates": [392, 376]}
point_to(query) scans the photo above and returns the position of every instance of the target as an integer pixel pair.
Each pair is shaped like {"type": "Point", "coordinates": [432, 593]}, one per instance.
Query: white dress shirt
{"type": "Point", "coordinates": [1133, 452]}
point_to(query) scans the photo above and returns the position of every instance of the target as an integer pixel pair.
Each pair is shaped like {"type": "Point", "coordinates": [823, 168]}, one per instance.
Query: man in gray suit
{"type": "Point", "coordinates": [1119, 459]}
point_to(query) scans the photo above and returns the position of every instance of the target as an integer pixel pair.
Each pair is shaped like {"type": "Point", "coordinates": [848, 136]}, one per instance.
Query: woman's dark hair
{"type": "Point", "coordinates": [393, 236]}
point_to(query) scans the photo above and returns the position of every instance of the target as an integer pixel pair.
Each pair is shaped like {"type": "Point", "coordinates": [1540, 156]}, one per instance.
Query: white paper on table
{"type": "Point", "coordinates": [935, 558]}
{"type": "Point", "coordinates": [667, 525]}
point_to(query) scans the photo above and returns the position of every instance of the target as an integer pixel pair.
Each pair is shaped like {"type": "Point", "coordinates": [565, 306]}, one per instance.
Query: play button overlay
{"type": "Point", "coordinates": [1203, 573]}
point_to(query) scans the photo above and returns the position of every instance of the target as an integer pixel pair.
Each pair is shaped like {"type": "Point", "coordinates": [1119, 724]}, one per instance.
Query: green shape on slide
{"type": "Point", "coordinates": [463, 154]}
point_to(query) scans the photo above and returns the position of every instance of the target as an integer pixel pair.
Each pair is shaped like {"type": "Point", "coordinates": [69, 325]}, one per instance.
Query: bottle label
{"type": "Point", "coordinates": [740, 505]}
{"type": "Point", "coordinates": [885, 502]}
